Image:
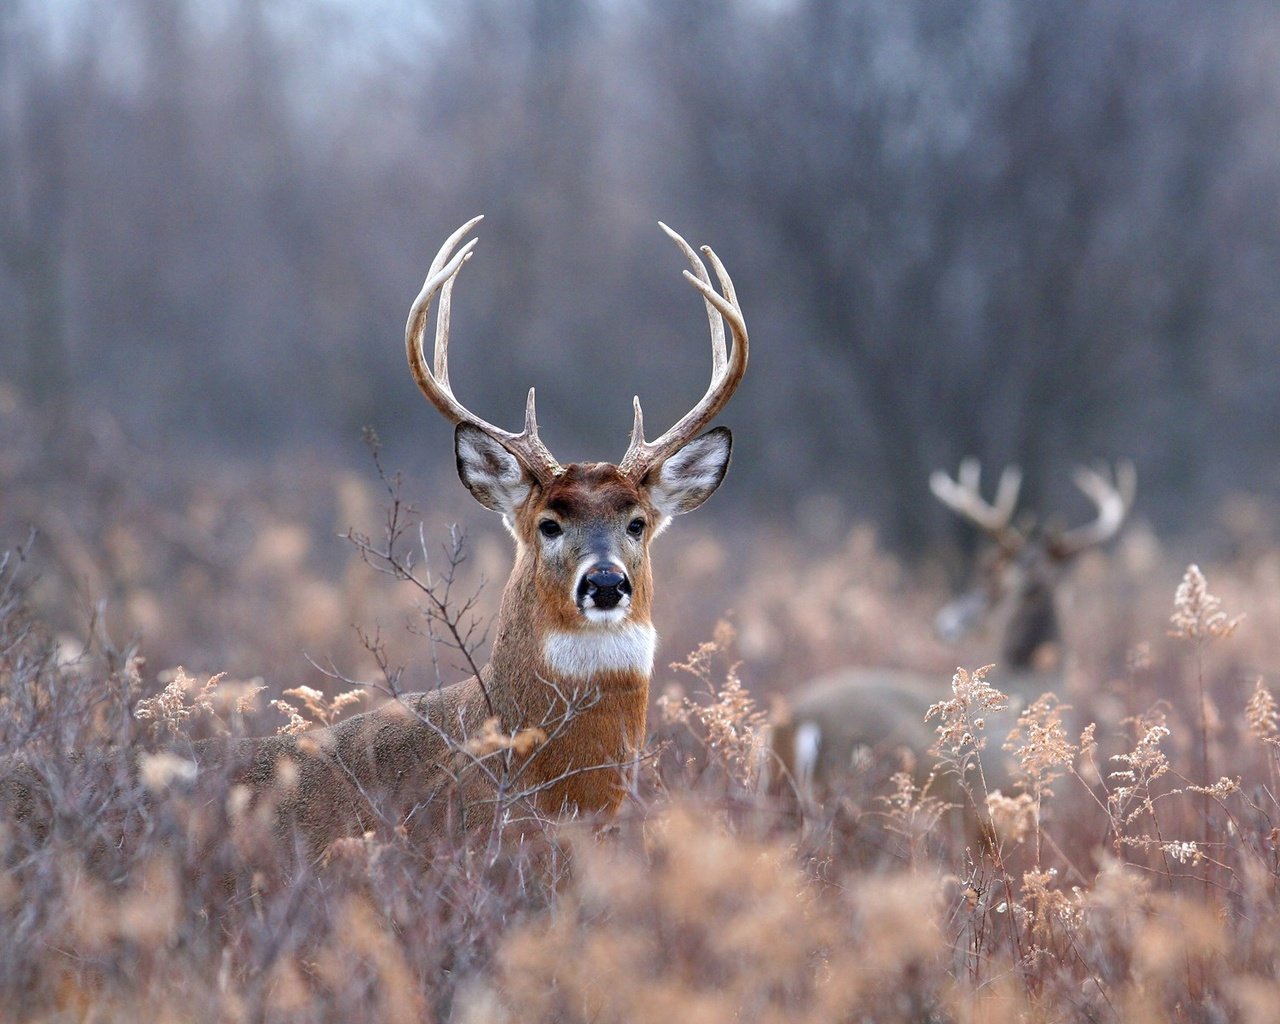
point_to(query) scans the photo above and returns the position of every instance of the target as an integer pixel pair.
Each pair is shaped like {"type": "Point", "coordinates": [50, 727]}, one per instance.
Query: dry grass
{"type": "Point", "coordinates": [1132, 878]}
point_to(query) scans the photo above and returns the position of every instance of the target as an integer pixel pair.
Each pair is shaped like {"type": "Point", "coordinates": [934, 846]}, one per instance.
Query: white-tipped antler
{"type": "Point", "coordinates": [963, 497]}
{"type": "Point", "coordinates": [1113, 493]}
{"type": "Point", "coordinates": [727, 367]}
{"type": "Point", "coordinates": [526, 446]}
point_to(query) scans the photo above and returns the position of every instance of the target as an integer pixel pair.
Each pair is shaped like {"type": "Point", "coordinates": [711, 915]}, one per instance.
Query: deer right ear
{"type": "Point", "coordinates": [492, 474]}
{"type": "Point", "coordinates": [690, 476]}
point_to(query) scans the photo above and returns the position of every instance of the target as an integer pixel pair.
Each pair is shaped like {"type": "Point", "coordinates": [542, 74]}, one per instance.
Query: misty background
{"type": "Point", "coordinates": [1036, 232]}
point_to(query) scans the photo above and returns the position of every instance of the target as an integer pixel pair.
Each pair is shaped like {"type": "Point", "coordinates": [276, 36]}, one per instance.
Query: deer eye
{"type": "Point", "coordinates": [549, 528]}
{"type": "Point", "coordinates": [635, 527]}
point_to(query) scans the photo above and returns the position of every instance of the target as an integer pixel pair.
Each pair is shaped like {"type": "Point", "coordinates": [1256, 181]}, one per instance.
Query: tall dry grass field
{"type": "Point", "coordinates": [1132, 878]}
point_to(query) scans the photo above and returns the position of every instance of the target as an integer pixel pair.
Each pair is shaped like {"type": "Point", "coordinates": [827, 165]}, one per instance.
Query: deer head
{"type": "Point", "coordinates": [583, 530]}
{"type": "Point", "coordinates": [1024, 564]}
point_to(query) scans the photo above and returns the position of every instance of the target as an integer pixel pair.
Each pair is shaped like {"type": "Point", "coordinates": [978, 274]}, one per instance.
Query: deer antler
{"type": "Point", "coordinates": [1113, 494]}
{"type": "Point", "coordinates": [726, 368]}
{"type": "Point", "coordinates": [963, 497]}
{"type": "Point", "coordinates": [526, 446]}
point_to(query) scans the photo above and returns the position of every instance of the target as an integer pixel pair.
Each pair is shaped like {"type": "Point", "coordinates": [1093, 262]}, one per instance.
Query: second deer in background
{"type": "Point", "coordinates": [836, 722]}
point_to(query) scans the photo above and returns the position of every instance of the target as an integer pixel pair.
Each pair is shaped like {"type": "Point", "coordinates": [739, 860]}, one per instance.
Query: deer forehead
{"type": "Point", "coordinates": [592, 492]}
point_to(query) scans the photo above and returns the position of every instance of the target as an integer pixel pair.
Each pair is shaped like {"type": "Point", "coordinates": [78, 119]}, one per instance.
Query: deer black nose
{"type": "Point", "coordinates": [604, 585]}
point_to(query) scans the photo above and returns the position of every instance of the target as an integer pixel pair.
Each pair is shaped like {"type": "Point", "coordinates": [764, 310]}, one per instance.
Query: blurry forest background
{"type": "Point", "coordinates": [1042, 231]}
{"type": "Point", "coordinates": [1045, 233]}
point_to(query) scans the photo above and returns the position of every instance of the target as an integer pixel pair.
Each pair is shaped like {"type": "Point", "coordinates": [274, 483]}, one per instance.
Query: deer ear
{"type": "Point", "coordinates": [691, 475]}
{"type": "Point", "coordinates": [492, 474]}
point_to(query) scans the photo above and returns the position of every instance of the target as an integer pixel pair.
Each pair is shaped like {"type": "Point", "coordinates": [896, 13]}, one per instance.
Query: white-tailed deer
{"type": "Point", "coordinates": [837, 720]}
{"type": "Point", "coordinates": [573, 645]}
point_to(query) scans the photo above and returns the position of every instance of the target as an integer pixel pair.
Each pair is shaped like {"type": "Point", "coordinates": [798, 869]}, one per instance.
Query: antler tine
{"type": "Point", "coordinates": [970, 474]}
{"type": "Point", "coordinates": [962, 496]}
{"type": "Point", "coordinates": [443, 316]}
{"type": "Point", "coordinates": [727, 367]}
{"type": "Point", "coordinates": [719, 354]}
{"type": "Point", "coordinates": [526, 446]}
{"type": "Point", "coordinates": [1007, 491]}
{"type": "Point", "coordinates": [1113, 493]}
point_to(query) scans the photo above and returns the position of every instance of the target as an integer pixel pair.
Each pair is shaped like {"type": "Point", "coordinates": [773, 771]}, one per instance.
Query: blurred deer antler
{"type": "Point", "coordinates": [963, 497]}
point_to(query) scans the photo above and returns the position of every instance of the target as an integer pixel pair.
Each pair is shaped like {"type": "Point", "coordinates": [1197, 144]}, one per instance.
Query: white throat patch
{"type": "Point", "coordinates": [586, 653]}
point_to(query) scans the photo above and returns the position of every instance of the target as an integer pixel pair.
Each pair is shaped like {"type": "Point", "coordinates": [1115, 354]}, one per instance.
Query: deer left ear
{"type": "Point", "coordinates": [492, 474]}
{"type": "Point", "coordinates": [691, 475]}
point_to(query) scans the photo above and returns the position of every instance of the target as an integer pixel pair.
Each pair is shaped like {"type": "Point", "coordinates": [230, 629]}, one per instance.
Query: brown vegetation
{"type": "Point", "coordinates": [1135, 878]}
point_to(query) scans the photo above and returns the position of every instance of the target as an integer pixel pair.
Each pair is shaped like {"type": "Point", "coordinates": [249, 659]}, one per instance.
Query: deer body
{"type": "Point", "coordinates": [406, 762]}
{"type": "Point", "coordinates": [556, 719]}
{"type": "Point", "coordinates": [835, 721]}
{"type": "Point", "coordinates": [839, 720]}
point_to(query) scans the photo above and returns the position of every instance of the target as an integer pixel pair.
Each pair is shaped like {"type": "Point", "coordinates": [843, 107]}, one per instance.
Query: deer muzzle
{"type": "Point", "coordinates": [604, 586]}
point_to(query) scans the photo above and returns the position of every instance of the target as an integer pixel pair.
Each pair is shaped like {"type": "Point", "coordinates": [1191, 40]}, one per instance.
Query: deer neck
{"type": "Point", "coordinates": [536, 653]}
{"type": "Point", "coordinates": [1032, 628]}
{"type": "Point", "coordinates": [586, 685]}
